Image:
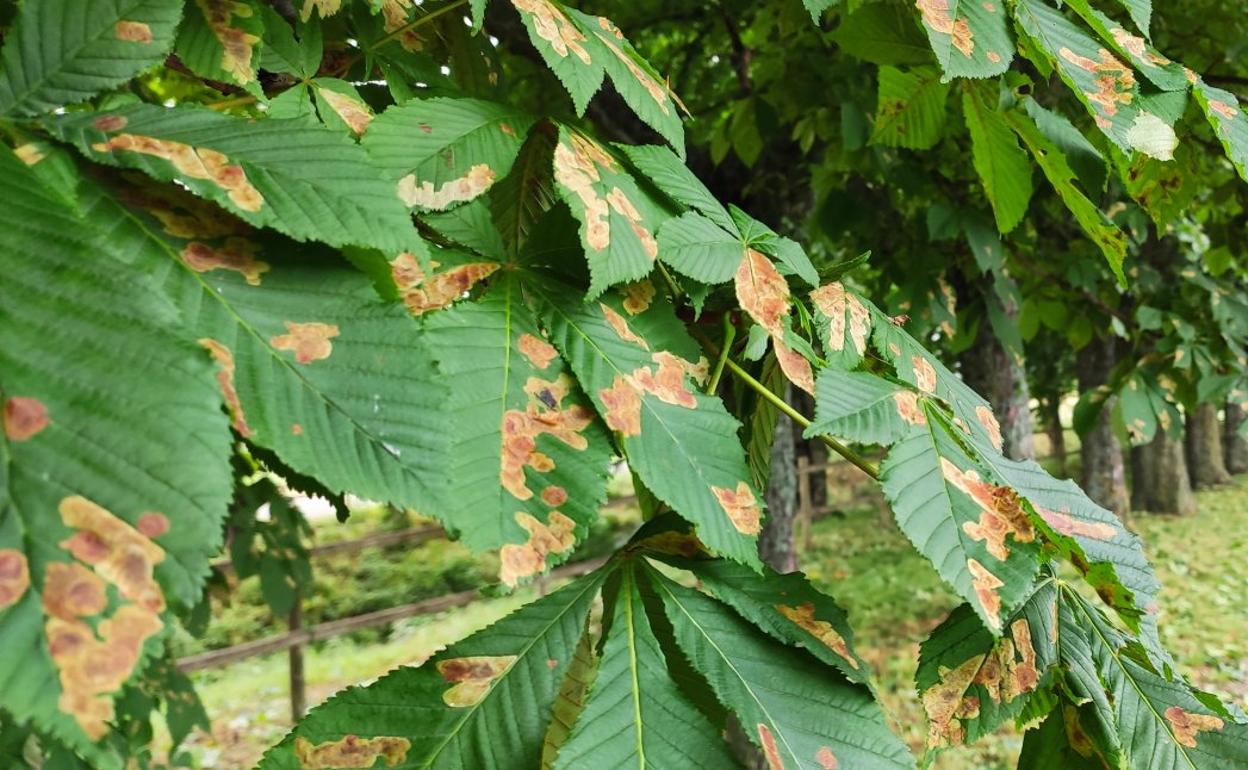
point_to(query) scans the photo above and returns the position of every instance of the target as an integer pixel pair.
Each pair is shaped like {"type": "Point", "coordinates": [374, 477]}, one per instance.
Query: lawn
{"type": "Point", "coordinates": [894, 598]}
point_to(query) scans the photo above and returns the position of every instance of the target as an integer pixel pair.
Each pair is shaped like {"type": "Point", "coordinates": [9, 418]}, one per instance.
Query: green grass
{"type": "Point", "coordinates": [894, 598]}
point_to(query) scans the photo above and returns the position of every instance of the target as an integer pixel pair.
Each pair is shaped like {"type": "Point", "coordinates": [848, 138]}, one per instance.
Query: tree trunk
{"type": "Point", "coordinates": [1159, 477]}
{"type": "Point", "coordinates": [1234, 446]}
{"type": "Point", "coordinates": [776, 544]}
{"type": "Point", "coordinates": [1057, 435]}
{"type": "Point", "coordinates": [1103, 474]}
{"type": "Point", "coordinates": [815, 451]}
{"type": "Point", "coordinates": [994, 373]}
{"type": "Point", "coordinates": [1204, 448]}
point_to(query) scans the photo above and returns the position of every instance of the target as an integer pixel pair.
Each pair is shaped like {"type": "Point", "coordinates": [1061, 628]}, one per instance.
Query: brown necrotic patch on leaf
{"type": "Point", "coordinates": [620, 326]}
{"type": "Point", "coordinates": [71, 591]}
{"type": "Point", "coordinates": [741, 507]}
{"type": "Point", "coordinates": [668, 382]}
{"type": "Point", "coordinates": [473, 183]}
{"type": "Point", "coordinates": [825, 758]}
{"type": "Point", "coordinates": [133, 31]}
{"type": "Point", "coordinates": [677, 543]}
{"type": "Point", "coordinates": [472, 677]}
{"type": "Point", "coordinates": [30, 153]}
{"type": "Point", "coordinates": [577, 167]}
{"type": "Point", "coordinates": [908, 407]}
{"type": "Point", "coordinates": [118, 552]}
{"type": "Point", "coordinates": [1115, 81]}
{"type": "Point", "coordinates": [310, 341]}
{"type": "Point", "coordinates": [1065, 524]}
{"type": "Point", "coordinates": [989, 421]}
{"type": "Point", "coordinates": [237, 254]}
{"type": "Point", "coordinates": [1137, 47]}
{"type": "Point", "coordinates": [947, 704]}
{"type": "Point", "coordinates": [985, 584]}
{"type": "Point", "coordinates": [938, 17]}
{"type": "Point", "coordinates": [803, 616]}
{"type": "Point", "coordinates": [762, 292]}
{"type": "Point", "coordinates": [196, 163]}
{"type": "Point", "coordinates": [1002, 513]}
{"type": "Point", "coordinates": [225, 379]}
{"type": "Point", "coordinates": [237, 44]}
{"type": "Point", "coordinates": [795, 366]}
{"type": "Point", "coordinates": [1185, 725]}
{"type": "Point", "coordinates": [153, 524]}
{"type": "Point", "coordinates": [622, 406]}
{"type": "Point", "coordinates": [771, 752]}
{"type": "Point", "coordinates": [551, 25]}
{"type": "Point", "coordinates": [24, 418]}
{"type": "Point", "coordinates": [351, 752]}
{"type": "Point", "coordinates": [924, 374]}
{"type": "Point", "coordinates": [543, 414]}
{"type": "Point", "coordinates": [554, 496]}
{"type": "Point", "coordinates": [353, 111]}
{"type": "Point", "coordinates": [395, 13]}
{"type": "Point", "coordinates": [1010, 670]}
{"type": "Point", "coordinates": [657, 91]}
{"type": "Point", "coordinates": [519, 561]}
{"type": "Point", "coordinates": [637, 296]}
{"type": "Point", "coordinates": [845, 313]}
{"type": "Point", "coordinates": [110, 123]}
{"type": "Point", "coordinates": [14, 577]}
{"type": "Point", "coordinates": [538, 351]}
{"type": "Point", "coordinates": [91, 668]}
{"type": "Point", "coordinates": [1222, 108]}
{"type": "Point", "coordinates": [422, 293]}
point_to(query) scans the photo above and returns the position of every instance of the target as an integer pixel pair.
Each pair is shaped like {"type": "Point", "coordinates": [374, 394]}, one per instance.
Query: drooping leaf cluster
{"type": "Point", "coordinates": [331, 239]}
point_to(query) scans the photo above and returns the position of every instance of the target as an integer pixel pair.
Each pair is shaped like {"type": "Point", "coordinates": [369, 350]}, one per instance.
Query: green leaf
{"type": "Point", "coordinates": [442, 152]}
{"type": "Point", "coordinates": [1104, 233]}
{"type": "Point", "coordinates": [306, 181]}
{"type": "Point", "coordinates": [638, 366]}
{"type": "Point", "coordinates": [1148, 61]}
{"type": "Point", "coordinates": [483, 703]}
{"type": "Point", "coordinates": [860, 407]}
{"type": "Point", "coordinates": [700, 249]}
{"type": "Point", "coordinates": [960, 515]}
{"type": "Point", "coordinates": [220, 40]}
{"type": "Point", "coordinates": [618, 217]}
{"type": "Point", "coordinates": [970, 38]}
{"type": "Point", "coordinates": [1226, 115]}
{"type": "Point", "coordinates": [800, 713]}
{"type": "Point", "coordinates": [1002, 165]}
{"type": "Point", "coordinates": [1157, 722]}
{"type": "Point", "coordinates": [911, 108]}
{"type": "Point", "coordinates": [1164, 190]}
{"type": "Point", "coordinates": [1141, 12]}
{"type": "Point", "coordinates": [670, 174]}
{"type": "Point", "coordinates": [310, 362]}
{"type": "Point", "coordinates": [636, 716]}
{"type": "Point", "coordinates": [522, 198]}
{"type": "Point", "coordinates": [295, 51]}
{"type": "Point", "coordinates": [340, 106]}
{"type": "Point", "coordinates": [788, 608]}
{"type": "Point", "coordinates": [816, 8]}
{"type": "Point", "coordinates": [1058, 742]}
{"type": "Point", "coordinates": [883, 33]}
{"type": "Point", "coordinates": [971, 682]}
{"type": "Point", "coordinates": [61, 52]}
{"type": "Point", "coordinates": [1083, 157]}
{"type": "Point", "coordinates": [113, 441]}
{"type": "Point", "coordinates": [1103, 83]}
{"type": "Point", "coordinates": [579, 49]}
{"type": "Point", "coordinates": [528, 459]}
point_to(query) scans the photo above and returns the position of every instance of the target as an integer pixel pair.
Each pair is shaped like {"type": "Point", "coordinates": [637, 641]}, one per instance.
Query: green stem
{"type": "Point", "coordinates": [730, 333]}
{"type": "Point", "coordinates": [414, 23]}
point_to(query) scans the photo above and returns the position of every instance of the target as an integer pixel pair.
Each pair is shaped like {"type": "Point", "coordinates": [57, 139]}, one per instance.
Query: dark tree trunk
{"type": "Point", "coordinates": [1159, 477]}
{"type": "Point", "coordinates": [1234, 446]}
{"type": "Point", "coordinates": [1103, 474]}
{"type": "Point", "coordinates": [814, 450]}
{"type": "Point", "coordinates": [1051, 410]}
{"type": "Point", "coordinates": [776, 544]}
{"type": "Point", "coordinates": [1204, 448]}
{"type": "Point", "coordinates": [994, 373]}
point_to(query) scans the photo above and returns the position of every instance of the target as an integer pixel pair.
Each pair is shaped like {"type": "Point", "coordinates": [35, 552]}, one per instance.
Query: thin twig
{"type": "Point", "coordinates": [730, 333]}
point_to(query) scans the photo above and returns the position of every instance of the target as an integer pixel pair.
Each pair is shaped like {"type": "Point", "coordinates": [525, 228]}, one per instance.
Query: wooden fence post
{"type": "Point", "coordinates": [298, 695]}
